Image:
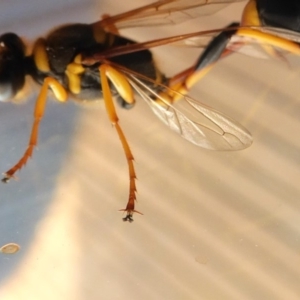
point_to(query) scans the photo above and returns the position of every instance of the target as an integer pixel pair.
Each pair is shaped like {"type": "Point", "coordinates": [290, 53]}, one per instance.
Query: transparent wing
{"type": "Point", "coordinates": [266, 47]}
{"type": "Point", "coordinates": [281, 32]}
{"type": "Point", "coordinates": [243, 45]}
{"type": "Point", "coordinates": [196, 122]}
{"type": "Point", "coordinates": [202, 37]}
{"type": "Point", "coordinates": [165, 12]}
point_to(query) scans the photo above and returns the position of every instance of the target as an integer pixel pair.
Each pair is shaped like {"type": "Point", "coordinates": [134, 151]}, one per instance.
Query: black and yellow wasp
{"type": "Point", "coordinates": [92, 61]}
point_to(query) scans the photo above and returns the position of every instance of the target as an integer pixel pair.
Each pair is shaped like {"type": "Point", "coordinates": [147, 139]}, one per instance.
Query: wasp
{"type": "Point", "coordinates": [87, 62]}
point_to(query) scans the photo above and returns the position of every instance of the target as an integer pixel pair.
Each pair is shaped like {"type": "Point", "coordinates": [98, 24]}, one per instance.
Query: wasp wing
{"type": "Point", "coordinates": [236, 44]}
{"type": "Point", "coordinates": [194, 121]}
{"type": "Point", "coordinates": [165, 12]}
{"type": "Point", "coordinates": [241, 44]}
{"type": "Point", "coordinates": [200, 39]}
{"type": "Point", "coordinates": [280, 32]}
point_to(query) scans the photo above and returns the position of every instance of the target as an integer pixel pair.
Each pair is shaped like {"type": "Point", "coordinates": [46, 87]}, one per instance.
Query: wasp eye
{"type": "Point", "coordinates": [13, 43]}
{"type": "Point", "coordinates": [12, 74]}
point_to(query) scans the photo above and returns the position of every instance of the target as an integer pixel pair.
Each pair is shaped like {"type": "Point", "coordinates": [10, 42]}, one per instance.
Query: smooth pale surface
{"type": "Point", "coordinates": [216, 225]}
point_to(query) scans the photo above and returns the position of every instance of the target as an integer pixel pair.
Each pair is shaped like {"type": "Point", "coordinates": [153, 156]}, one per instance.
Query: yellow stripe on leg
{"type": "Point", "coordinates": [111, 112]}
{"type": "Point", "coordinates": [270, 39]}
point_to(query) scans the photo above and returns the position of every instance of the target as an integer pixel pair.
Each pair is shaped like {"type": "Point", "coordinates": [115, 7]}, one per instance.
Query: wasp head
{"type": "Point", "coordinates": [12, 69]}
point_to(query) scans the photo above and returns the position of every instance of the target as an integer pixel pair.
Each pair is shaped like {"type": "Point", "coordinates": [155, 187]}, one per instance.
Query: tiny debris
{"type": "Point", "coordinates": [10, 248]}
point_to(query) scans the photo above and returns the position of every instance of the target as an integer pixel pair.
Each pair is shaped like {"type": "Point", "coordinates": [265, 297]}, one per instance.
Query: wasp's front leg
{"type": "Point", "coordinates": [39, 111]}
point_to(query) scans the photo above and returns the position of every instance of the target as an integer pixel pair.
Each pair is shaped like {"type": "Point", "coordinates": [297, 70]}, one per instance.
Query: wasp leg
{"type": "Point", "coordinates": [124, 104]}
{"type": "Point", "coordinates": [216, 49]}
{"type": "Point", "coordinates": [251, 18]}
{"type": "Point", "coordinates": [39, 110]}
{"type": "Point", "coordinates": [125, 91]}
{"type": "Point", "coordinates": [270, 39]}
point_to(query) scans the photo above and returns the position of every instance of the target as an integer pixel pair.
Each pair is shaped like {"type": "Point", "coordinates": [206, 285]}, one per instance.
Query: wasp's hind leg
{"type": "Point", "coordinates": [216, 49]}
{"type": "Point", "coordinates": [124, 89]}
{"type": "Point", "coordinates": [123, 103]}
{"type": "Point", "coordinates": [39, 110]}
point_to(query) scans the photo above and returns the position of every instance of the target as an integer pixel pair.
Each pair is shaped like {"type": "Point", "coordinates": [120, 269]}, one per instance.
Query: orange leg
{"type": "Point", "coordinates": [105, 71]}
{"type": "Point", "coordinates": [181, 83]}
{"type": "Point", "coordinates": [217, 50]}
{"type": "Point", "coordinates": [39, 110]}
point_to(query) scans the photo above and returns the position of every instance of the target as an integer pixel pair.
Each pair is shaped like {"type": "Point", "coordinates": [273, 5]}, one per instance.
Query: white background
{"type": "Point", "coordinates": [216, 225]}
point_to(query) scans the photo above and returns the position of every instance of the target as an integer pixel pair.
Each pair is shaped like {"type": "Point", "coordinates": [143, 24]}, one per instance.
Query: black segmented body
{"type": "Point", "coordinates": [64, 43]}
{"type": "Point", "coordinates": [280, 13]}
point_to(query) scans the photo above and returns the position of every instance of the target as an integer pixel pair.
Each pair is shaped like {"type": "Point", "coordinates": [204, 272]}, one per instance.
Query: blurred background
{"type": "Point", "coordinates": [216, 225]}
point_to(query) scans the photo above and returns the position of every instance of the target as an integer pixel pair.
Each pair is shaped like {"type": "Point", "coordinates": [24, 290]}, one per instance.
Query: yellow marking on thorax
{"type": "Point", "coordinates": [73, 72]}
{"type": "Point", "coordinates": [250, 15]}
{"type": "Point", "coordinates": [103, 37]}
{"type": "Point", "coordinates": [40, 56]}
{"type": "Point", "coordinates": [99, 35]}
